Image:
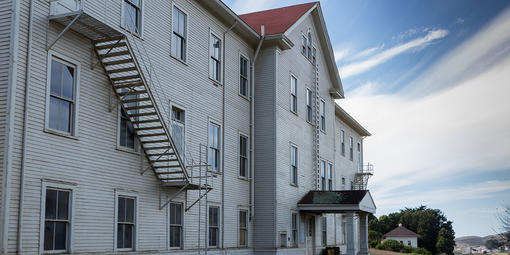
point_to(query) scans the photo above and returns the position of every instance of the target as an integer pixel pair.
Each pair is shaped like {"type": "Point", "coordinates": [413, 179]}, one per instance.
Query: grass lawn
{"type": "Point", "coordinates": [382, 252]}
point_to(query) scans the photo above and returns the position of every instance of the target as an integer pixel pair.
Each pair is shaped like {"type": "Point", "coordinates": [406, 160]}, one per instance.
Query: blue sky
{"type": "Point", "coordinates": [431, 81]}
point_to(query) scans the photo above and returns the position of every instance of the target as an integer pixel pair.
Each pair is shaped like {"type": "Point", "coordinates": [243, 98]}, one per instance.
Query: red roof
{"type": "Point", "coordinates": [401, 231]}
{"type": "Point", "coordinates": [276, 21]}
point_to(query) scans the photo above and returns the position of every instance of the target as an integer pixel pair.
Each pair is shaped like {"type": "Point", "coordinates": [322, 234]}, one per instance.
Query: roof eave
{"type": "Point", "coordinates": [279, 39]}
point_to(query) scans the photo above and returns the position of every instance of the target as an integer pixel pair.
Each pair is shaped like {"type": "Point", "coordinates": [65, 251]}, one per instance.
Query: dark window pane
{"type": "Point", "coordinates": [60, 235]}
{"type": "Point", "coordinates": [128, 236]}
{"type": "Point", "coordinates": [130, 210]}
{"type": "Point", "coordinates": [120, 236]}
{"type": "Point", "coordinates": [56, 78]}
{"type": "Point", "coordinates": [67, 82]}
{"type": "Point", "coordinates": [63, 205]}
{"type": "Point", "coordinates": [49, 229]}
{"type": "Point", "coordinates": [122, 210]}
{"type": "Point", "coordinates": [51, 204]}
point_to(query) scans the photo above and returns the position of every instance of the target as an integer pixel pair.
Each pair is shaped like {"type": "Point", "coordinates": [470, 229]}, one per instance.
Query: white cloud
{"type": "Point", "coordinates": [464, 128]}
{"type": "Point", "coordinates": [341, 54]}
{"type": "Point", "coordinates": [367, 52]}
{"type": "Point", "coordinates": [365, 65]}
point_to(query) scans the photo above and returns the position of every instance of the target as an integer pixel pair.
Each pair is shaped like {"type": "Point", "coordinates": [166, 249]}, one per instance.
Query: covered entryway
{"type": "Point", "coordinates": [348, 202]}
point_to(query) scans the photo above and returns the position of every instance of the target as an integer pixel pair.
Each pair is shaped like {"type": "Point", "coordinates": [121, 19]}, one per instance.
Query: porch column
{"type": "Point", "coordinates": [349, 232]}
{"type": "Point", "coordinates": [363, 234]}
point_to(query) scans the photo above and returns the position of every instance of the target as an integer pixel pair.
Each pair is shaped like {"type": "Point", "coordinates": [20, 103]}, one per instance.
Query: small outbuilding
{"type": "Point", "coordinates": [403, 235]}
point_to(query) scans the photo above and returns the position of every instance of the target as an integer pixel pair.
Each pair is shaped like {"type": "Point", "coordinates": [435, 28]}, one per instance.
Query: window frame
{"type": "Point", "coordinates": [181, 246]}
{"type": "Point", "coordinates": [324, 183]}
{"type": "Point", "coordinates": [322, 115]}
{"type": "Point", "coordinates": [329, 175]}
{"type": "Point", "coordinates": [70, 234]}
{"type": "Point", "coordinates": [183, 123]}
{"type": "Point", "coordinates": [294, 169]}
{"type": "Point", "coordinates": [221, 58]}
{"type": "Point", "coordinates": [126, 194]}
{"type": "Point", "coordinates": [294, 239]}
{"type": "Point", "coordinates": [185, 37]}
{"type": "Point", "coordinates": [295, 95]}
{"type": "Point", "coordinates": [248, 73]}
{"type": "Point", "coordinates": [246, 228]}
{"type": "Point", "coordinates": [351, 148]}
{"type": "Point", "coordinates": [309, 105]}
{"type": "Point", "coordinates": [123, 26]}
{"type": "Point", "coordinates": [324, 230]}
{"type": "Point", "coordinates": [342, 142]}
{"type": "Point", "coordinates": [136, 148]}
{"type": "Point", "coordinates": [218, 228]}
{"type": "Point", "coordinates": [247, 157]}
{"type": "Point", "coordinates": [74, 123]}
{"type": "Point", "coordinates": [220, 162]}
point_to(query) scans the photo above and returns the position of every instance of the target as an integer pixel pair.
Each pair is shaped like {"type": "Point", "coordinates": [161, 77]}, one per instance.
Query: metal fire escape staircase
{"type": "Point", "coordinates": [132, 82]}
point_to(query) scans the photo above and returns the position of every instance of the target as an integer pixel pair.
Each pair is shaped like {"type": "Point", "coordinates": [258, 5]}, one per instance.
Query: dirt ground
{"type": "Point", "coordinates": [381, 252]}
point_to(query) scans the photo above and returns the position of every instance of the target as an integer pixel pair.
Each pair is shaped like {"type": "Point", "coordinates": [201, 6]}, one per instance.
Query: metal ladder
{"type": "Point", "coordinates": [317, 128]}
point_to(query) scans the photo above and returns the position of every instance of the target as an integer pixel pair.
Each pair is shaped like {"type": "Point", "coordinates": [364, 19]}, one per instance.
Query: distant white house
{"type": "Point", "coordinates": [403, 235]}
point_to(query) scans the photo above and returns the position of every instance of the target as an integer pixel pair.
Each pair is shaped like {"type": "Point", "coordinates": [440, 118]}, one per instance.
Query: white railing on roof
{"type": "Point", "coordinates": [58, 7]}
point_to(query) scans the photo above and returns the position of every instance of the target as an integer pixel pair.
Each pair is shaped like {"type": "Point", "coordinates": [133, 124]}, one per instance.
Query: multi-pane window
{"type": "Point", "coordinates": [342, 142]}
{"type": "Point", "coordinates": [324, 230]}
{"type": "Point", "coordinates": [62, 96]}
{"type": "Point", "coordinates": [127, 136]}
{"type": "Point", "coordinates": [214, 147]}
{"type": "Point", "coordinates": [215, 58]}
{"type": "Point", "coordinates": [243, 156]}
{"type": "Point", "coordinates": [294, 229]}
{"type": "Point", "coordinates": [323, 115]}
{"type": "Point", "coordinates": [309, 107]}
{"type": "Point", "coordinates": [293, 94]}
{"type": "Point", "coordinates": [351, 152]}
{"type": "Point", "coordinates": [126, 222]}
{"type": "Point", "coordinates": [343, 180]}
{"type": "Point", "coordinates": [314, 53]}
{"type": "Point", "coordinates": [293, 164]}
{"type": "Point", "coordinates": [214, 226]}
{"type": "Point", "coordinates": [360, 164]}
{"type": "Point", "coordinates": [329, 175]}
{"type": "Point", "coordinates": [303, 45]}
{"type": "Point", "coordinates": [175, 225]}
{"type": "Point", "coordinates": [323, 175]}
{"type": "Point", "coordinates": [243, 228]}
{"type": "Point", "coordinates": [179, 34]}
{"type": "Point", "coordinates": [132, 16]}
{"type": "Point", "coordinates": [57, 219]}
{"type": "Point", "coordinates": [309, 46]}
{"type": "Point", "coordinates": [243, 76]}
{"type": "Point", "coordinates": [179, 129]}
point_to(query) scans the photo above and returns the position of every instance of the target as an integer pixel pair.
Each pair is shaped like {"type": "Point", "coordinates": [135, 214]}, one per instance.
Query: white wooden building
{"type": "Point", "coordinates": [162, 127]}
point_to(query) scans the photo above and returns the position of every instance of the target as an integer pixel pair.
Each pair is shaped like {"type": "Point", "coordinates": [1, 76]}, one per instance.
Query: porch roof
{"type": "Point", "coordinates": [338, 201]}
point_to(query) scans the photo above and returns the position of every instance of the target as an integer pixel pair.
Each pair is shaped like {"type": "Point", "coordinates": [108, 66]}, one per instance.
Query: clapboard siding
{"type": "Point", "coordinates": [92, 160]}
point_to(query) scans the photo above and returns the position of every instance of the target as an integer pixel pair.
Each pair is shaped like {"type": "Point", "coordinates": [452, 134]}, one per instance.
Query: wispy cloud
{"type": "Point", "coordinates": [359, 67]}
{"type": "Point", "coordinates": [341, 54]}
{"type": "Point", "coordinates": [367, 52]}
{"type": "Point", "coordinates": [246, 6]}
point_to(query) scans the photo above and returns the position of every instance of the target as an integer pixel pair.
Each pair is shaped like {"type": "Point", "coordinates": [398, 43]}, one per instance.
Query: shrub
{"type": "Point", "coordinates": [390, 245]}
{"type": "Point", "coordinates": [374, 238]}
{"type": "Point", "coordinates": [422, 251]}
{"type": "Point", "coordinates": [407, 249]}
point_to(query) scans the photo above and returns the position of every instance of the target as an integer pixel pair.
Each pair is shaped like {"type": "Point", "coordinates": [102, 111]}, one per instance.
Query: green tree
{"type": "Point", "coordinates": [446, 239]}
{"type": "Point", "coordinates": [492, 244]}
{"type": "Point", "coordinates": [374, 238]}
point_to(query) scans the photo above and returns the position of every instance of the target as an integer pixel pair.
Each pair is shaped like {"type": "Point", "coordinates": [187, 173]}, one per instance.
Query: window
{"type": "Point", "coordinates": [179, 130]}
{"type": "Point", "coordinates": [323, 115]}
{"type": "Point", "coordinates": [243, 228]}
{"type": "Point", "coordinates": [323, 175]}
{"type": "Point", "coordinates": [329, 175]}
{"type": "Point", "coordinates": [360, 164]}
{"type": "Point", "coordinates": [293, 94]}
{"type": "Point", "coordinates": [309, 103]}
{"type": "Point", "coordinates": [283, 239]}
{"type": "Point", "coordinates": [243, 77]}
{"type": "Point", "coordinates": [132, 16]}
{"type": "Point", "coordinates": [324, 230]}
{"type": "Point", "coordinates": [293, 164]}
{"type": "Point", "coordinates": [243, 156]}
{"type": "Point", "coordinates": [351, 145]}
{"type": "Point", "coordinates": [294, 229]}
{"type": "Point", "coordinates": [179, 34]}
{"type": "Point", "coordinates": [343, 180]}
{"type": "Point", "coordinates": [214, 226]}
{"type": "Point", "coordinates": [408, 243]}
{"type": "Point", "coordinates": [214, 147]}
{"type": "Point", "coordinates": [57, 219]}
{"type": "Point", "coordinates": [303, 45]}
{"type": "Point", "coordinates": [62, 97]}
{"type": "Point", "coordinates": [344, 229]}
{"type": "Point", "coordinates": [127, 135]}
{"type": "Point", "coordinates": [215, 58]}
{"type": "Point", "coordinates": [309, 46]}
{"type": "Point", "coordinates": [175, 225]}
{"type": "Point", "coordinates": [314, 57]}
{"type": "Point", "coordinates": [342, 142]}
{"type": "Point", "coordinates": [126, 219]}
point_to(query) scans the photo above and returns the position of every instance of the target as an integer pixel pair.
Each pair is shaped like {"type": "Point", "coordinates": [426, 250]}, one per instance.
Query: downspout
{"type": "Point", "coordinates": [252, 125]}
{"type": "Point", "coordinates": [223, 142]}
{"type": "Point", "coordinates": [9, 131]}
{"type": "Point", "coordinates": [25, 129]}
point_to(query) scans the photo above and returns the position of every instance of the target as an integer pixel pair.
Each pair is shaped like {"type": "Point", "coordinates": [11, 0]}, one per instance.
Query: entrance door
{"type": "Point", "coordinates": [310, 235]}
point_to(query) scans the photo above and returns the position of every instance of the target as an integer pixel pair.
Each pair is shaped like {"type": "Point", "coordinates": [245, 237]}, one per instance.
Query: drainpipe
{"type": "Point", "coordinates": [223, 142]}
{"type": "Point", "coordinates": [252, 125]}
{"type": "Point", "coordinates": [25, 132]}
{"type": "Point", "coordinates": [9, 131]}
